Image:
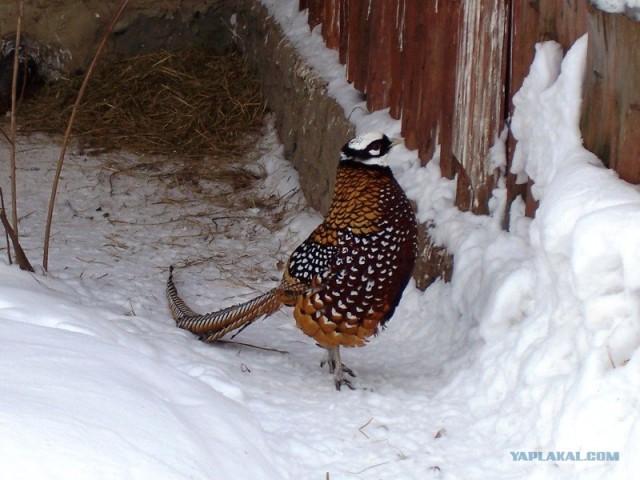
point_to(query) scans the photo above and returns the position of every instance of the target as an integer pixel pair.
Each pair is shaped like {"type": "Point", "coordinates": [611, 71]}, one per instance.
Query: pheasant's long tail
{"type": "Point", "coordinates": [213, 326]}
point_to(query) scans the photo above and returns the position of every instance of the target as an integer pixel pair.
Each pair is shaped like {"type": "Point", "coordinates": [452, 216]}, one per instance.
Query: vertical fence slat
{"type": "Point", "coordinates": [343, 49]}
{"type": "Point", "coordinates": [435, 118]}
{"type": "Point", "coordinates": [331, 23]}
{"type": "Point", "coordinates": [412, 64]}
{"type": "Point", "coordinates": [315, 11]}
{"type": "Point", "coordinates": [383, 48]}
{"type": "Point", "coordinates": [534, 22]}
{"type": "Point", "coordinates": [570, 21]}
{"type": "Point", "coordinates": [395, 90]}
{"type": "Point", "coordinates": [525, 18]}
{"type": "Point", "coordinates": [358, 47]}
{"type": "Point", "coordinates": [480, 102]}
{"type": "Point", "coordinates": [611, 129]}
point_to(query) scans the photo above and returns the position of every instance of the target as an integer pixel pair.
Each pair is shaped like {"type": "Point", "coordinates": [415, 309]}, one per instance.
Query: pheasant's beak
{"type": "Point", "coordinates": [396, 141]}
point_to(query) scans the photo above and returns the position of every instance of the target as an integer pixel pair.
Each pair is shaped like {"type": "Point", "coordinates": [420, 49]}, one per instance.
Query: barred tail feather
{"type": "Point", "coordinates": [213, 326]}
{"type": "Point", "coordinates": [177, 306]}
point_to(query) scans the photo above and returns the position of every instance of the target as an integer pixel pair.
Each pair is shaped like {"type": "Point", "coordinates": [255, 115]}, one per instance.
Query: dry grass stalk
{"type": "Point", "coordinates": [6, 233]}
{"type": "Point", "coordinates": [21, 257]}
{"type": "Point", "coordinates": [69, 125]}
{"type": "Point", "coordinates": [14, 89]}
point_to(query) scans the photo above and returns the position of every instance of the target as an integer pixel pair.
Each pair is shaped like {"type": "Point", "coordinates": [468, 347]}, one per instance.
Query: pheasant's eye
{"type": "Point", "coordinates": [375, 148]}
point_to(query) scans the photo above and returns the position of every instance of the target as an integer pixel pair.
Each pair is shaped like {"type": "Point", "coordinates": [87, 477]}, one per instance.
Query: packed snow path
{"type": "Point", "coordinates": [98, 368]}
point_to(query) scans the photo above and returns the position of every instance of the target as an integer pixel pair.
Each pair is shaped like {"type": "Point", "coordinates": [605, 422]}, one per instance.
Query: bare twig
{"type": "Point", "coordinates": [14, 90]}
{"type": "Point", "coordinates": [21, 258]}
{"type": "Point", "coordinates": [361, 429]}
{"type": "Point", "coordinates": [67, 135]}
{"type": "Point", "coordinates": [6, 233]}
{"type": "Point", "coordinates": [229, 342]}
{"type": "Point", "coordinates": [3, 134]}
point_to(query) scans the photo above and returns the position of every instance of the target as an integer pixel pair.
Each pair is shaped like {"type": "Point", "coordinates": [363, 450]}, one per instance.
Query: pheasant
{"type": "Point", "coordinates": [346, 279]}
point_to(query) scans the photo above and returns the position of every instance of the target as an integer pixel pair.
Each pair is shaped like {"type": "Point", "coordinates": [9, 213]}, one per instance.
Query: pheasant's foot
{"type": "Point", "coordinates": [339, 380]}
{"type": "Point", "coordinates": [337, 368]}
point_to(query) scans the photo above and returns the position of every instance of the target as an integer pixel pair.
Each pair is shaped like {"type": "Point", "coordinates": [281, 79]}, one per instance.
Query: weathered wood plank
{"type": "Point", "coordinates": [435, 119]}
{"type": "Point", "coordinates": [413, 65]}
{"type": "Point", "coordinates": [331, 12]}
{"type": "Point", "coordinates": [343, 49]}
{"type": "Point", "coordinates": [395, 90]}
{"type": "Point", "coordinates": [383, 50]}
{"type": "Point", "coordinates": [480, 101]}
{"type": "Point", "coordinates": [611, 107]}
{"type": "Point", "coordinates": [358, 47]}
{"type": "Point", "coordinates": [315, 11]}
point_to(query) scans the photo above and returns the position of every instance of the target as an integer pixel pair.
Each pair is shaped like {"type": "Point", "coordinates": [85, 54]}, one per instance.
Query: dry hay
{"type": "Point", "coordinates": [189, 103]}
{"type": "Point", "coordinates": [199, 111]}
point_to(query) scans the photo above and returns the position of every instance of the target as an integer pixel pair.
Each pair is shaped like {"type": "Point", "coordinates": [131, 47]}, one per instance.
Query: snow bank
{"type": "Point", "coordinates": [588, 229]}
{"type": "Point", "coordinates": [83, 395]}
{"type": "Point", "coordinates": [628, 7]}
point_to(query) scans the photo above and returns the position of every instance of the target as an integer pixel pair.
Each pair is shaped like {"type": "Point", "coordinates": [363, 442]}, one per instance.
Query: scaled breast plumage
{"type": "Point", "coordinates": [360, 258]}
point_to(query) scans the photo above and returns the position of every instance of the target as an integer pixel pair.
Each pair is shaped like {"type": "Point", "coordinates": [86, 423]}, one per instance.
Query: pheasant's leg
{"type": "Point", "coordinates": [337, 368]}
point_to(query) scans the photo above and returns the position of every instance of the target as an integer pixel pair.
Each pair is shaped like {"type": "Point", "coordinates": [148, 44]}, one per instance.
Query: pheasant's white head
{"type": "Point", "coordinates": [370, 148]}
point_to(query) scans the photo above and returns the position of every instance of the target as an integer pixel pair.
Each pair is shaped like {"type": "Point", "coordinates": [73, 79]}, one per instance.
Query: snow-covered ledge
{"type": "Point", "coordinates": [311, 125]}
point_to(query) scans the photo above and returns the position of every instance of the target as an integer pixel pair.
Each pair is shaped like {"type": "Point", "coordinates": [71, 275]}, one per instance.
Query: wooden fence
{"type": "Point", "coordinates": [449, 69]}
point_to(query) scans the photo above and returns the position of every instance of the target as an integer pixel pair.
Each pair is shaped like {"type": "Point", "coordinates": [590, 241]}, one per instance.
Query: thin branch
{"type": "Point", "coordinates": [6, 137]}
{"type": "Point", "coordinates": [6, 233]}
{"type": "Point", "coordinates": [67, 135]}
{"type": "Point", "coordinates": [21, 258]}
{"type": "Point", "coordinates": [229, 342]}
{"type": "Point", "coordinates": [14, 91]}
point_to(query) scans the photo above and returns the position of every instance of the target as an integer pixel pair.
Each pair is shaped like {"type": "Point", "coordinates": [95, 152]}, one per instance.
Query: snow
{"type": "Point", "coordinates": [84, 398]}
{"type": "Point", "coordinates": [628, 7]}
{"type": "Point", "coordinates": [532, 347]}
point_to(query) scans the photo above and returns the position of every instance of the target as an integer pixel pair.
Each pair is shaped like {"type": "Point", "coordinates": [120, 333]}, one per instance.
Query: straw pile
{"type": "Point", "coordinates": [188, 104]}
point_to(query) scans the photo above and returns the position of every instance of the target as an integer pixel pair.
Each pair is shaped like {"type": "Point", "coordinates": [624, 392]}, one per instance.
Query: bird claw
{"type": "Point", "coordinates": [332, 368]}
{"type": "Point", "coordinates": [337, 368]}
{"type": "Point", "coordinates": [348, 371]}
{"type": "Point", "coordinates": [343, 381]}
